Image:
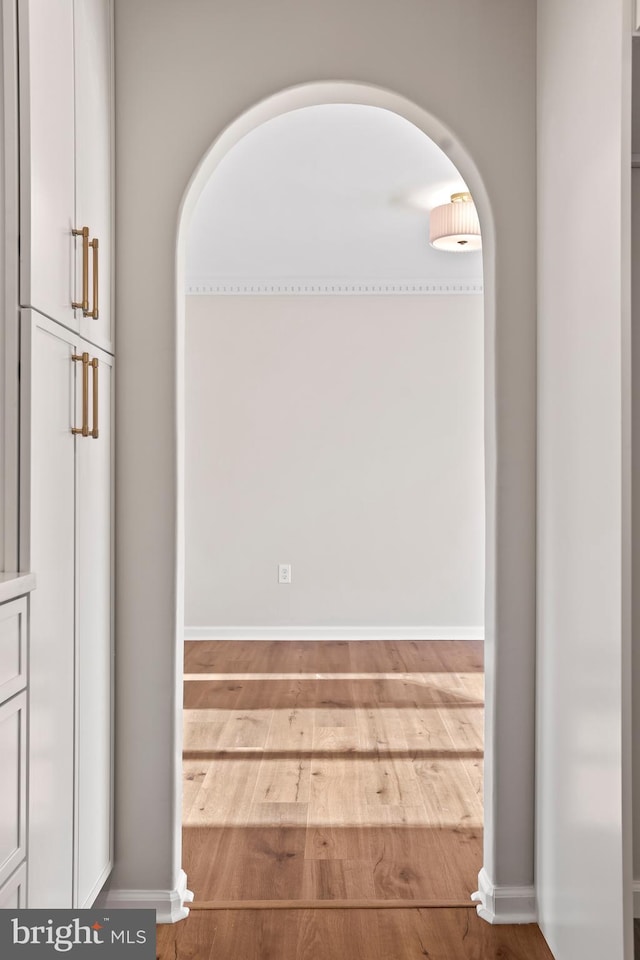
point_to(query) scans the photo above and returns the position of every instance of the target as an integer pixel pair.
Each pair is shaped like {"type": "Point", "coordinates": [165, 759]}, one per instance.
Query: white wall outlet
{"type": "Point", "coordinates": [284, 573]}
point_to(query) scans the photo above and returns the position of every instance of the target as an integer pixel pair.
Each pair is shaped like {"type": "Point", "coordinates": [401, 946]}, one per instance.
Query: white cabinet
{"type": "Point", "coordinates": [93, 99]}
{"type": "Point", "coordinates": [47, 157]}
{"type": "Point", "coordinates": [52, 547]}
{"type": "Point", "coordinates": [13, 739]}
{"type": "Point", "coordinates": [13, 647]}
{"type": "Point", "coordinates": [67, 467]}
{"type": "Point", "coordinates": [94, 577]}
{"type": "Point", "coordinates": [65, 90]}
{"type": "Point", "coordinates": [13, 893]}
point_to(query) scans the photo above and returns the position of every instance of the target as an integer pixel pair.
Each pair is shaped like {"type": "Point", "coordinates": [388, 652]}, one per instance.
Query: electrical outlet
{"type": "Point", "coordinates": [284, 573]}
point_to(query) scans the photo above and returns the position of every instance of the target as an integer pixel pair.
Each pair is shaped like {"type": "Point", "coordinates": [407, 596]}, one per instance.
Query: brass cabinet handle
{"type": "Point", "coordinates": [94, 313]}
{"type": "Point", "coordinates": [94, 366]}
{"type": "Point", "coordinates": [84, 429]}
{"type": "Point", "coordinates": [84, 303]}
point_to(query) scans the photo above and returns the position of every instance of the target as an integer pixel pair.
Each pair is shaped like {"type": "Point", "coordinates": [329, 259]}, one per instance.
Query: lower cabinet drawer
{"type": "Point", "coordinates": [13, 647]}
{"type": "Point", "coordinates": [13, 892]}
{"type": "Point", "coordinates": [13, 764]}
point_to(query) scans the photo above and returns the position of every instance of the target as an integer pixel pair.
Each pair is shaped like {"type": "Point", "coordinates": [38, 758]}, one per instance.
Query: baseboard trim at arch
{"type": "Point", "coordinates": [170, 905]}
{"type": "Point", "coordinates": [335, 633]}
{"type": "Point", "coordinates": [497, 904]}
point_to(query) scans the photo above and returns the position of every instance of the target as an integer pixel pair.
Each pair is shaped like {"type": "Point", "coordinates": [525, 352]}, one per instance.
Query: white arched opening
{"type": "Point", "coordinates": [325, 93]}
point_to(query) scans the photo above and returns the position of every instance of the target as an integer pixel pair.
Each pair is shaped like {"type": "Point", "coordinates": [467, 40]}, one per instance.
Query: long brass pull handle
{"type": "Point", "coordinates": [94, 313]}
{"type": "Point", "coordinates": [84, 303]}
{"type": "Point", "coordinates": [94, 365]}
{"type": "Point", "coordinates": [84, 429]}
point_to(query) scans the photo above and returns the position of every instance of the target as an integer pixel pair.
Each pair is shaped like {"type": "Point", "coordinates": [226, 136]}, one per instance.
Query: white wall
{"type": "Point", "coordinates": [343, 435]}
{"type": "Point", "coordinates": [583, 829]}
{"type": "Point", "coordinates": [184, 72]}
{"type": "Point", "coordinates": [337, 192]}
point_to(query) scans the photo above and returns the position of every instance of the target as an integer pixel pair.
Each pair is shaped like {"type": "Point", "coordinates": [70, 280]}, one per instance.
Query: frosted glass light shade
{"type": "Point", "coordinates": [455, 226]}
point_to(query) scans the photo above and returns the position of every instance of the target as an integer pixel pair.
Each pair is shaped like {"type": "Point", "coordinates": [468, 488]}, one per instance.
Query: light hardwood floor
{"type": "Point", "coordinates": [333, 770]}
{"type": "Point", "coordinates": [399, 934]}
{"type": "Point", "coordinates": [323, 777]}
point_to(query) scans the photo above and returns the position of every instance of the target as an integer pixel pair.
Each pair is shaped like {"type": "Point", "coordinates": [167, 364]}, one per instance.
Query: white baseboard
{"type": "Point", "coordinates": [334, 633]}
{"type": "Point", "coordinates": [168, 904]}
{"type": "Point", "coordinates": [504, 904]}
{"type": "Point", "coordinates": [636, 898]}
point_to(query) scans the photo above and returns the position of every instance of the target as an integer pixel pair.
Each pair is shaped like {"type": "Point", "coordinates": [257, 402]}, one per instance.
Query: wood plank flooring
{"type": "Point", "coordinates": [347, 771]}
{"type": "Point", "coordinates": [324, 778]}
{"type": "Point", "coordinates": [400, 934]}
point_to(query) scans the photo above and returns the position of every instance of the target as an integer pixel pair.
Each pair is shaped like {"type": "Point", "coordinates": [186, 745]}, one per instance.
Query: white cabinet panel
{"type": "Point", "coordinates": [68, 539]}
{"type": "Point", "coordinates": [66, 84]}
{"type": "Point", "coordinates": [93, 94]}
{"type": "Point", "coordinates": [13, 647]}
{"type": "Point", "coordinates": [94, 648]}
{"type": "Point", "coordinates": [50, 469]}
{"type": "Point", "coordinates": [14, 892]}
{"type": "Point", "coordinates": [66, 480]}
{"type": "Point", "coordinates": [13, 784]}
{"type": "Point", "coordinates": [47, 157]}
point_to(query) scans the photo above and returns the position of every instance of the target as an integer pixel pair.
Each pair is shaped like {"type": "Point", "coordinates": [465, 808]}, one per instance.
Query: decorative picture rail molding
{"type": "Point", "coordinates": [320, 287]}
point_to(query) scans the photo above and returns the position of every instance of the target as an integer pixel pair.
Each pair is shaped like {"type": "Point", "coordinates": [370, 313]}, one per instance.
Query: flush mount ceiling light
{"type": "Point", "coordinates": [455, 226]}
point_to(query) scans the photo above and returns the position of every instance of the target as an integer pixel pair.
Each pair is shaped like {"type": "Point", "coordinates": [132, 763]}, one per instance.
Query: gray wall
{"type": "Point", "coordinates": [184, 72]}
{"type": "Point", "coordinates": [583, 824]}
{"type": "Point", "coordinates": [343, 435]}
{"type": "Point", "coordinates": [635, 182]}
{"type": "Point", "coordinates": [635, 293]}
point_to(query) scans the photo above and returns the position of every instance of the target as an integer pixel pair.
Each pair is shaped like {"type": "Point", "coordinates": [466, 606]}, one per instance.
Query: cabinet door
{"type": "Point", "coordinates": [47, 545]}
{"type": "Point", "coordinates": [94, 650]}
{"type": "Point", "coordinates": [94, 102]}
{"type": "Point", "coordinates": [13, 796]}
{"type": "Point", "coordinates": [13, 892]}
{"type": "Point", "coordinates": [13, 648]}
{"type": "Point", "coordinates": [47, 161]}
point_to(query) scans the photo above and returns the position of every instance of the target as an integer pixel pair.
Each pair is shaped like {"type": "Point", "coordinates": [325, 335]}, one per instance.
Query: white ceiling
{"type": "Point", "coordinates": [328, 193]}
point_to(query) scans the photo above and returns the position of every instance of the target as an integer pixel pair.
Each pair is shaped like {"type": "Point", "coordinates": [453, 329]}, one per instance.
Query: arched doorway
{"type": "Point", "coordinates": [322, 93]}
